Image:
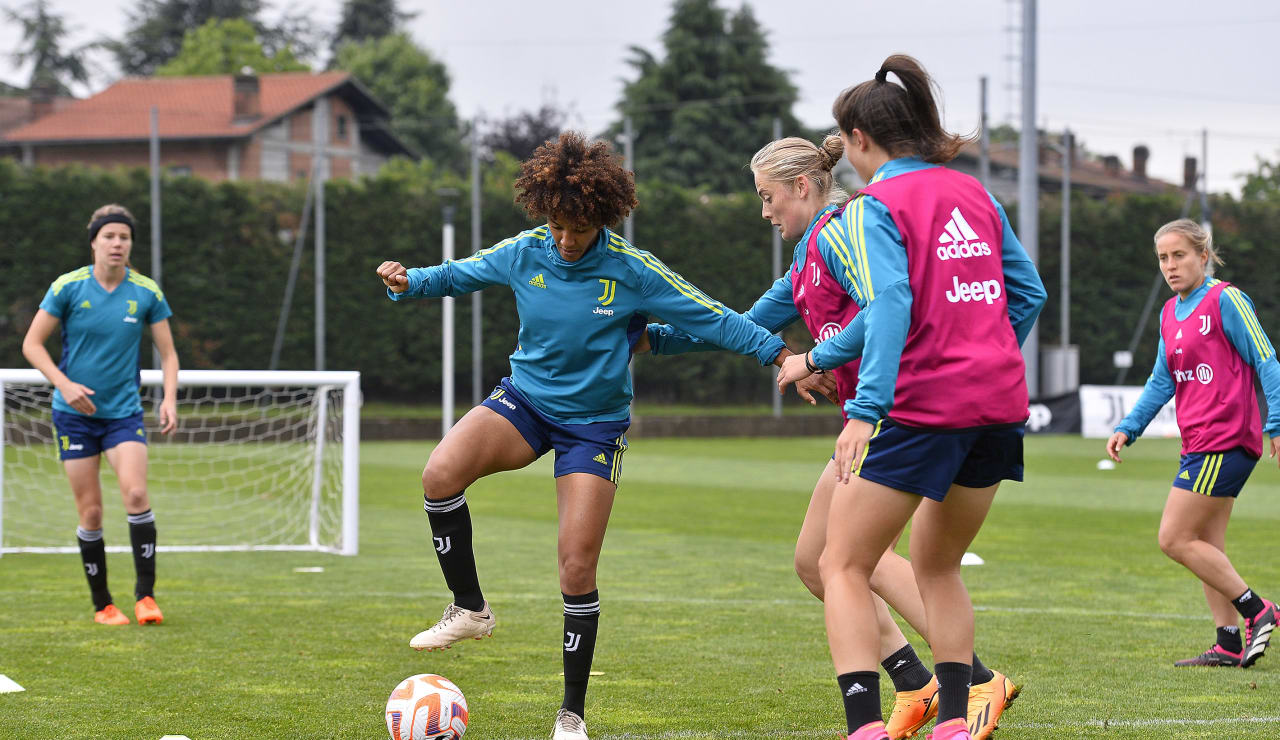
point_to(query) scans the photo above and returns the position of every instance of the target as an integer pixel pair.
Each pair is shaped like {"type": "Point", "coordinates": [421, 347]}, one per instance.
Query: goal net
{"type": "Point", "coordinates": [261, 460]}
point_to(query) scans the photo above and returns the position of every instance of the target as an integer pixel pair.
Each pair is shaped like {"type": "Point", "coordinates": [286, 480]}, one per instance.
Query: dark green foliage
{"type": "Point", "coordinates": [43, 34]}
{"type": "Point", "coordinates": [226, 261]}
{"type": "Point", "coordinates": [703, 110]}
{"type": "Point", "coordinates": [363, 20]}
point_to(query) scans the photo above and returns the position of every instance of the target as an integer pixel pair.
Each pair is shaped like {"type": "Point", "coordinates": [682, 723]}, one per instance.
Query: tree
{"type": "Point", "coordinates": [1262, 184]}
{"type": "Point", "coordinates": [526, 131]}
{"type": "Point", "coordinates": [702, 111]}
{"type": "Point", "coordinates": [407, 79]}
{"type": "Point", "coordinates": [226, 46]}
{"type": "Point", "coordinates": [363, 20]}
{"type": "Point", "coordinates": [43, 33]}
{"type": "Point", "coordinates": [157, 29]}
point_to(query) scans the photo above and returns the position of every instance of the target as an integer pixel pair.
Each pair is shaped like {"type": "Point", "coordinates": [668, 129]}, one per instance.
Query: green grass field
{"type": "Point", "coordinates": [706, 632]}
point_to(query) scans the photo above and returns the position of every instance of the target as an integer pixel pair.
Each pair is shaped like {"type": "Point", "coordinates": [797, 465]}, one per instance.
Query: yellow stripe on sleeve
{"type": "Point", "coordinates": [862, 252]}
{"type": "Point", "coordinates": [675, 280]}
{"type": "Point", "coordinates": [66, 279]}
{"type": "Point", "coordinates": [146, 283]}
{"type": "Point", "coordinates": [1250, 321]}
{"type": "Point", "coordinates": [842, 251]}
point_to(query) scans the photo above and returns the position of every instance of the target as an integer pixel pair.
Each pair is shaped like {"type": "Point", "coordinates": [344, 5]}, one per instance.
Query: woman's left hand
{"type": "Point", "coordinates": [824, 384]}
{"type": "Point", "coordinates": [168, 416]}
{"type": "Point", "coordinates": [793, 369]}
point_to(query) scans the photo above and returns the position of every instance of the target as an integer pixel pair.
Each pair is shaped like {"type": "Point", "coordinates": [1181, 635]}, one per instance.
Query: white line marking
{"type": "Point", "coordinates": [8, 685]}
{"type": "Point", "coordinates": [1226, 721]}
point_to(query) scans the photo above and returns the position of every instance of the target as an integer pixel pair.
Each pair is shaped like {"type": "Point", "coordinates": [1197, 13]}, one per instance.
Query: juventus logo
{"type": "Point", "coordinates": [571, 644]}
{"type": "Point", "coordinates": [148, 550]}
{"type": "Point", "coordinates": [817, 276]}
{"type": "Point", "coordinates": [610, 291]}
{"type": "Point", "coordinates": [91, 568]}
{"type": "Point", "coordinates": [443, 544]}
{"type": "Point", "coordinates": [1204, 324]}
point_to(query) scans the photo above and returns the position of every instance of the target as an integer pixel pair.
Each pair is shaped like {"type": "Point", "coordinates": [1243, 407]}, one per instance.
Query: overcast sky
{"type": "Point", "coordinates": [1118, 73]}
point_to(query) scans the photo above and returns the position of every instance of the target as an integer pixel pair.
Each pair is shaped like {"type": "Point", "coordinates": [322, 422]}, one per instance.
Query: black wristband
{"type": "Point", "coordinates": [808, 365]}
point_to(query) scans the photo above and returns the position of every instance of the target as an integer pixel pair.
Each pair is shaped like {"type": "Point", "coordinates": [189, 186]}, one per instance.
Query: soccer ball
{"type": "Point", "coordinates": [426, 707]}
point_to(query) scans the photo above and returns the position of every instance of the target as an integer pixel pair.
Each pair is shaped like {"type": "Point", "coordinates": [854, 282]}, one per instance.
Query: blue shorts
{"type": "Point", "coordinates": [84, 436]}
{"type": "Point", "coordinates": [928, 462]}
{"type": "Point", "coordinates": [594, 448]}
{"type": "Point", "coordinates": [1215, 473]}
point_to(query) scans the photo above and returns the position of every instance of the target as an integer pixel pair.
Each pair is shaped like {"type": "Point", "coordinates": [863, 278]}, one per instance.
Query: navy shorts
{"type": "Point", "coordinates": [84, 436]}
{"type": "Point", "coordinates": [1218, 474]}
{"type": "Point", "coordinates": [594, 448]}
{"type": "Point", "coordinates": [928, 462]}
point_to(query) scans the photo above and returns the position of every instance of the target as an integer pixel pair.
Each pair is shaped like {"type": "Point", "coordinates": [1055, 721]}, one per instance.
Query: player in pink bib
{"type": "Point", "coordinates": [799, 196]}
{"type": "Point", "coordinates": [1211, 349]}
{"type": "Point", "coordinates": [937, 420]}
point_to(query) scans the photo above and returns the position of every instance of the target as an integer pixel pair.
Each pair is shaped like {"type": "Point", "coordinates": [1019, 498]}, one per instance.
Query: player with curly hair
{"type": "Point", "coordinates": [582, 294]}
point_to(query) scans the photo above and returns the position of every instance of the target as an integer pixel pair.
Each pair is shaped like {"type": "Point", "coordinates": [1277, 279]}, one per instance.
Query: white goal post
{"type": "Point", "coordinates": [261, 460]}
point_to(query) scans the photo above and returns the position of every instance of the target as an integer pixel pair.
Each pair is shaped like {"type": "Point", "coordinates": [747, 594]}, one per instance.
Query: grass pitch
{"type": "Point", "coordinates": [705, 632]}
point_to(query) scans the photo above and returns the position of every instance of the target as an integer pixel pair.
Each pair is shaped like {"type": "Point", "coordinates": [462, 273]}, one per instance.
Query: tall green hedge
{"type": "Point", "coordinates": [227, 249]}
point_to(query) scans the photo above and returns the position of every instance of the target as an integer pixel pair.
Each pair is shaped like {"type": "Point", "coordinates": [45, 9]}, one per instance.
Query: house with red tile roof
{"type": "Point", "coordinates": [220, 127]}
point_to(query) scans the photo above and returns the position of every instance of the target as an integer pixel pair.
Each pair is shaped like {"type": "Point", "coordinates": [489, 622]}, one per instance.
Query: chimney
{"type": "Point", "coordinates": [1111, 163]}
{"type": "Point", "coordinates": [41, 98]}
{"type": "Point", "coordinates": [1189, 176]}
{"type": "Point", "coordinates": [1140, 155]}
{"type": "Point", "coordinates": [246, 99]}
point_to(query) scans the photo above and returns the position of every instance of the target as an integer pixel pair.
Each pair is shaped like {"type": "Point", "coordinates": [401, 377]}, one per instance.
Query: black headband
{"type": "Point", "coordinates": [110, 218]}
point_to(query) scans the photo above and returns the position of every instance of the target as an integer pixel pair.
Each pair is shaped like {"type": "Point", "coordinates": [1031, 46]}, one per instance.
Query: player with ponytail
{"type": "Point", "coordinates": [947, 295]}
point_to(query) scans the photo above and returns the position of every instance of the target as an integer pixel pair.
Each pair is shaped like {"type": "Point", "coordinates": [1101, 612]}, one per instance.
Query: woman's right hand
{"type": "Point", "coordinates": [77, 397]}
{"type": "Point", "coordinates": [394, 276]}
{"type": "Point", "coordinates": [1114, 444]}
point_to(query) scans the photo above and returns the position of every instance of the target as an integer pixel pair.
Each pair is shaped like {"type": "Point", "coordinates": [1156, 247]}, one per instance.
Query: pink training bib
{"type": "Point", "coordinates": [961, 366]}
{"type": "Point", "coordinates": [1213, 384]}
{"type": "Point", "coordinates": [825, 305]}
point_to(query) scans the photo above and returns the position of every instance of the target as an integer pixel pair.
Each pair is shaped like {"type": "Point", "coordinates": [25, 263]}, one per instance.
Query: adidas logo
{"type": "Point", "coordinates": [86, 304]}
{"type": "Point", "coordinates": [856, 688]}
{"type": "Point", "coordinates": [899, 664]}
{"type": "Point", "coordinates": [538, 282]}
{"type": "Point", "coordinates": [959, 240]}
{"type": "Point", "coordinates": [600, 459]}
{"type": "Point", "coordinates": [1185, 475]}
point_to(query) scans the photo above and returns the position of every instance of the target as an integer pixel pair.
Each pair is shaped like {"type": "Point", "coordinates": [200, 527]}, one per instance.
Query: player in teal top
{"type": "Point", "coordinates": [582, 293]}
{"type": "Point", "coordinates": [101, 309]}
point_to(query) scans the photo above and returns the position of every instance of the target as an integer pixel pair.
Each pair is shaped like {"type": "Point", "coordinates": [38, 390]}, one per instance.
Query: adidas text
{"type": "Point", "coordinates": [988, 290]}
{"type": "Point", "coordinates": [961, 250]}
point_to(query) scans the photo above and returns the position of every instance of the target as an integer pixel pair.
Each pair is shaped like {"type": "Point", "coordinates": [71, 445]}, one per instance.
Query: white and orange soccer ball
{"type": "Point", "coordinates": [426, 707]}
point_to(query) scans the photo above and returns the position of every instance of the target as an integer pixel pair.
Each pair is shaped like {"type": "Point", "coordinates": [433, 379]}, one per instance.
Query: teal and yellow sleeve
{"type": "Point", "coordinates": [1240, 324]}
{"type": "Point", "coordinates": [486, 267]}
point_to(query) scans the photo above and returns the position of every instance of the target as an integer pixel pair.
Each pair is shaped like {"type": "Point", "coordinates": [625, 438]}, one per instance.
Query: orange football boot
{"type": "Point", "coordinates": [987, 701]}
{"type": "Point", "coordinates": [110, 615]}
{"type": "Point", "coordinates": [912, 710]}
{"type": "Point", "coordinates": [147, 612]}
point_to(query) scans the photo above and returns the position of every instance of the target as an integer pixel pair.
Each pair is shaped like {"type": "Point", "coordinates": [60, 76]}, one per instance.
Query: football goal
{"type": "Point", "coordinates": [261, 460]}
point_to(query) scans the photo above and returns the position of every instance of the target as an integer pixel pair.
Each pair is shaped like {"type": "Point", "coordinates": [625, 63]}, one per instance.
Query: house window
{"type": "Point", "coordinates": [342, 128]}
{"type": "Point", "coordinates": [180, 170]}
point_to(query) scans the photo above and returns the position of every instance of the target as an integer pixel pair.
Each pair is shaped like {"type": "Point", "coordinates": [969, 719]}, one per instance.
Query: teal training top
{"type": "Point", "coordinates": [101, 332]}
{"type": "Point", "coordinates": [573, 350]}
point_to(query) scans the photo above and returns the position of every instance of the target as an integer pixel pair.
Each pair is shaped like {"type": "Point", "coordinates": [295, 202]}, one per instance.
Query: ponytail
{"type": "Point", "coordinates": [902, 118]}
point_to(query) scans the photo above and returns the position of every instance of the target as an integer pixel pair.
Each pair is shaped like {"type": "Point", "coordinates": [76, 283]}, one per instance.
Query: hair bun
{"type": "Point", "coordinates": [830, 152]}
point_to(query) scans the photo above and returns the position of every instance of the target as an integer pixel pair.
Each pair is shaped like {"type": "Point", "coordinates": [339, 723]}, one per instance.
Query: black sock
{"type": "Point", "coordinates": [981, 673]}
{"type": "Point", "coordinates": [1248, 604]}
{"type": "Point", "coordinates": [861, 693]}
{"type": "Point", "coordinates": [93, 551]}
{"type": "Point", "coordinates": [953, 690]}
{"type": "Point", "coordinates": [450, 521]}
{"type": "Point", "coordinates": [1229, 639]}
{"type": "Point", "coordinates": [142, 533]}
{"type": "Point", "coordinates": [905, 670]}
{"type": "Point", "coordinates": [581, 621]}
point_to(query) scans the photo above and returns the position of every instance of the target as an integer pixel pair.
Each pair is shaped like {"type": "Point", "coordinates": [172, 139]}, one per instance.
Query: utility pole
{"type": "Point", "coordinates": [1029, 180]}
{"type": "Point", "coordinates": [155, 213]}
{"type": "Point", "coordinates": [984, 141]}
{"type": "Point", "coordinates": [777, 273]}
{"type": "Point", "coordinates": [319, 169]}
{"type": "Point", "coordinates": [629, 161]}
{"type": "Point", "coordinates": [447, 355]}
{"type": "Point", "coordinates": [477, 330]}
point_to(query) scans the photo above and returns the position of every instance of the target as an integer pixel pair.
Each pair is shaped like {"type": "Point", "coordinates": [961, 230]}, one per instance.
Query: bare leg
{"type": "Point", "coordinates": [1191, 526]}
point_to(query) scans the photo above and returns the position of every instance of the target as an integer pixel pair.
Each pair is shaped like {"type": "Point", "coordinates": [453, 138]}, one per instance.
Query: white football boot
{"type": "Point", "coordinates": [569, 726]}
{"type": "Point", "coordinates": [456, 624]}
